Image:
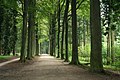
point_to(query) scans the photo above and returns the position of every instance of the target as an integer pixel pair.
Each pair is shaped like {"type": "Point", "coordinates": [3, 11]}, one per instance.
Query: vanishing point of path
{"type": "Point", "coordinates": [46, 67]}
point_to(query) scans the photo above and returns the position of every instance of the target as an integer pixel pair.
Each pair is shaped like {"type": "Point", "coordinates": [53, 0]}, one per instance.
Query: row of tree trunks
{"type": "Point", "coordinates": [28, 18]}
{"type": "Point", "coordinates": [96, 38]}
{"type": "Point", "coordinates": [110, 36]}
{"type": "Point", "coordinates": [65, 33]}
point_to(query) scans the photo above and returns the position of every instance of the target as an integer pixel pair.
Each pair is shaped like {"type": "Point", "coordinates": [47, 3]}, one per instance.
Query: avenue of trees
{"type": "Point", "coordinates": [82, 32]}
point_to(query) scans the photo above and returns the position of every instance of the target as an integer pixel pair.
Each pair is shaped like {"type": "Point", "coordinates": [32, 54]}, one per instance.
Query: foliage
{"type": "Point", "coordinates": [8, 28]}
{"type": "Point", "coordinates": [11, 19]}
{"type": "Point", "coordinates": [4, 57]}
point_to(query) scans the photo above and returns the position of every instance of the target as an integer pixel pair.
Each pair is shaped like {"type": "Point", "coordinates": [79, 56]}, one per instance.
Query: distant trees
{"type": "Point", "coordinates": [110, 20]}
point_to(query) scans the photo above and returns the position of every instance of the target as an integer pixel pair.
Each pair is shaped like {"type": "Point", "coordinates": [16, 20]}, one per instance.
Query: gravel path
{"type": "Point", "coordinates": [46, 67]}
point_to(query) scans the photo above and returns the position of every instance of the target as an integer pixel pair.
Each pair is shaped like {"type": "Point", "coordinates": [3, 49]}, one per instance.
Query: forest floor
{"type": "Point", "coordinates": [8, 58]}
{"type": "Point", "coordinates": [46, 67]}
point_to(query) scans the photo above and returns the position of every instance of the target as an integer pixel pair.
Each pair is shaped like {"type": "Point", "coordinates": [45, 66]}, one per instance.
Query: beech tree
{"type": "Point", "coordinates": [75, 59]}
{"type": "Point", "coordinates": [24, 32]}
{"type": "Point", "coordinates": [96, 39]}
{"type": "Point", "coordinates": [66, 30]}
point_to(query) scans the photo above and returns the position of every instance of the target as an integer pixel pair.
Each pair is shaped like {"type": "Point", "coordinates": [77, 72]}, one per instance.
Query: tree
{"type": "Point", "coordinates": [96, 42]}
{"type": "Point", "coordinates": [75, 59]}
{"type": "Point", "coordinates": [62, 36]}
{"type": "Point", "coordinates": [66, 30]}
{"type": "Point", "coordinates": [109, 16]}
{"type": "Point", "coordinates": [24, 32]}
{"type": "Point", "coordinates": [13, 38]}
{"type": "Point", "coordinates": [53, 34]}
{"type": "Point", "coordinates": [30, 29]}
{"type": "Point", "coordinates": [58, 38]}
{"type": "Point", "coordinates": [1, 21]}
{"type": "Point", "coordinates": [37, 38]}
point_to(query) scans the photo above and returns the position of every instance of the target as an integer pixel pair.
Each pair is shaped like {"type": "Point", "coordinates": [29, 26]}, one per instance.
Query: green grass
{"type": "Point", "coordinates": [111, 67]}
{"type": "Point", "coordinates": [4, 57]}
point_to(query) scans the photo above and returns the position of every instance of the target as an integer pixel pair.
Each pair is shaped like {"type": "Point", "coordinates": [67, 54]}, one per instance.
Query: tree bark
{"type": "Point", "coordinates": [24, 32]}
{"type": "Point", "coordinates": [62, 41]}
{"type": "Point", "coordinates": [112, 46]}
{"type": "Point", "coordinates": [50, 37]}
{"type": "Point", "coordinates": [58, 55]}
{"type": "Point", "coordinates": [108, 47]}
{"type": "Point", "coordinates": [84, 33]}
{"type": "Point", "coordinates": [31, 30]}
{"type": "Point", "coordinates": [37, 43]}
{"type": "Point", "coordinates": [66, 31]}
{"type": "Point", "coordinates": [75, 59]}
{"type": "Point", "coordinates": [96, 38]}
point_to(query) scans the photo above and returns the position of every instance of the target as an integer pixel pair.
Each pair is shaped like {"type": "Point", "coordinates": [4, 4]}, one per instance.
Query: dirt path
{"type": "Point", "coordinates": [48, 68]}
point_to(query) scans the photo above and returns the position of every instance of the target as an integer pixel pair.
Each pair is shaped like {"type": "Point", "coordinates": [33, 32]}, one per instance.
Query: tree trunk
{"type": "Point", "coordinates": [87, 25]}
{"type": "Point", "coordinates": [75, 59]}
{"type": "Point", "coordinates": [33, 28]}
{"type": "Point", "coordinates": [112, 31]}
{"type": "Point", "coordinates": [0, 48]}
{"type": "Point", "coordinates": [96, 38]}
{"type": "Point", "coordinates": [108, 48]}
{"type": "Point", "coordinates": [58, 55]}
{"type": "Point", "coordinates": [40, 42]}
{"type": "Point", "coordinates": [62, 41]}
{"type": "Point", "coordinates": [1, 21]}
{"type": "Point", "coordinates": [30, 30]}
{"type": "Point", "coordinates": [24, 32]}
{"type": "Point", "coordinates": [54, 33]}
{"type": "Point", "coordinates": [66, 31]}
{"type": "Point", "coordinates": [112, 46]}
{"type": "Point", "coordinates": [84, 33]}
{"type": "Point", "coordinates": [40, 48]}
{"type": "Point", "coordinates": [29, 50]}
{"type": "Point", "coordinates": [37, 43]}
{"type": "Point", "coordinates": [50, 37]}
{"type": "Point", "coordinates": [14, 51]}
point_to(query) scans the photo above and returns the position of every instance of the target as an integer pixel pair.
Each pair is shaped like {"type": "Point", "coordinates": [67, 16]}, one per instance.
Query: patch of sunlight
{"type": "Point", "coordinates": [46, 56]}
{"type": "Point", "coordinates": [7, 62]}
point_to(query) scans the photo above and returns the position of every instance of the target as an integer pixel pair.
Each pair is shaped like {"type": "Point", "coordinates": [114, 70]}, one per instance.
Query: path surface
{"type": "Point", "coordinates": [48, 68]}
